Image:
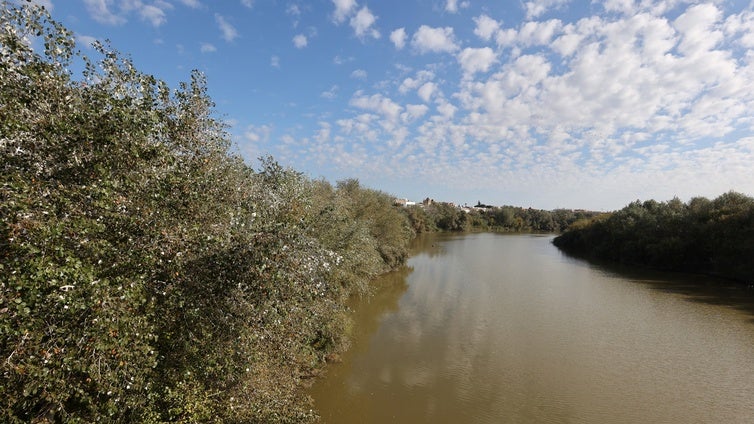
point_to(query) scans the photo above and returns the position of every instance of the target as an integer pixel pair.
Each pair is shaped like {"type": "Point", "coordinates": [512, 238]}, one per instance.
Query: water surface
{"type": "Point", "coordinates": [489, 328]}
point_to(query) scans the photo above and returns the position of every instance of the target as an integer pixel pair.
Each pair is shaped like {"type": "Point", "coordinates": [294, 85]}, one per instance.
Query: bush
{"type": "Point", "coordinates": [149, 275]}
{"type": "Point", "coordinates": [715, 237]}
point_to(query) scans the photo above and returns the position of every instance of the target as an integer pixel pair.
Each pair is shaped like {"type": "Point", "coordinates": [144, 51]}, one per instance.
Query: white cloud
{"type": "Point", "coordinates": [452, 5]}
{"type": "Point", "coordinates": [359, 126]}
{"type": "Point", "coordinates": [435, 40]}
{"type": "Point", "coordinates": [414, 112]}
{"type": "Point", "coordinates": [288, 139]}
{"type": "Point", "coordinates": [256, 134]}
{"type": "Point", "coordinates": [103, 11]}
{"type": "Point", "coordinates": [539, 7]}
{"type": "Point", "coordinates": [323, 134]}
{"type": "Point", "coordinates": [330, 94]}
{"type": "Point", "coordinates": [339, 60]}
{"type": "Point", "coordinates": [100, 11]}
{"type": "Point", "coordinates": [620, 78]}
{"type": "Point", "coordinates": [409, 84]}
{"type": "Point", "coordinates": [194, 4]}
{"type": "Point", "coordinates": [275, 61]}
{"type": "Point", "coordinates": [446, 109]}
{"type": "Point", "coordinates": [86, 40]}
{"type": "Point", "coordinates": [248, 3]}
{"type": "Point", "coordinates": [531, 33]}
{"type": "Point", "coordinates": [621, 6]}
{"type": "Point", "coordinates": [638, 102]}
{"type": "Point", "coordinates": [207, 48]}
{"type": "Point", "coordinates": [343, 9]}
{"type": "Point", "coordinates": [426, 91]}
{"type": "Point", "coordinates": [475, 60]}
{"type": "Point", "coordinates": [47, 4]}
{"type": "Point", "coordinates": [741, 28]}
{"type": "Point", "coordinates": [293, 10]}
{"type": "Point", "coordinates": [359, 74]}
{"type": "Point", "coordinates": [698, 25]}
{"type": "Point", "coordinates": [300, 41]}
{"type": "Point", "coordinates": [506, 37]}
{"type": "Point", "coordinates": [538, 33]}
{"type": "Point", "coordinates": [362, 23]}
{"type": "Point", "coordinates": [567, 43]}
{"type": "Point", "coordinates": [229, 32]}
{"type": "Point", "coordinates": [486, 27]}
{"type": "Point", "coordinates": [398, 37]}
{"type": "Point", "coordinates": [153, 14]}
{"type": "Point", "coordinates": [377, 103]}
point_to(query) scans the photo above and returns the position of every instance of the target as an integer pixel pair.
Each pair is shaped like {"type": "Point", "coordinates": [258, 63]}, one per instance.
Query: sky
{"type": "Point", "coordinates": [542, 103]}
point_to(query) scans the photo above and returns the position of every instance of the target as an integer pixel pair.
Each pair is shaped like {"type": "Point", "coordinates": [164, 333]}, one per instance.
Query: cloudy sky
{"type": "Point", "coordinates": [542, 103]}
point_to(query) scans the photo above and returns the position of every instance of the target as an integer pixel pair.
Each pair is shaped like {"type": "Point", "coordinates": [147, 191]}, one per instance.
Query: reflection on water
{"type": "Point", "coordinates": [489, 328]}
{"type": "Point", "coordinates": [694, 287]}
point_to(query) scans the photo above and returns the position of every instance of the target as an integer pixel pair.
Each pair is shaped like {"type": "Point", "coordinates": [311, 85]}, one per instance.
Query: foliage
{"type": "Point", "coordinates": [707, 236]}
{"type": "Point", "coordinates": [446, 217]}
{"type": "Point", "coordinates": [147, 274]}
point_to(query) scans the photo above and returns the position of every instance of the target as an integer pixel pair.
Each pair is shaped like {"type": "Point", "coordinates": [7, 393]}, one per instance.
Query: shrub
{"type": "Point", "coordinates": [148, 274]}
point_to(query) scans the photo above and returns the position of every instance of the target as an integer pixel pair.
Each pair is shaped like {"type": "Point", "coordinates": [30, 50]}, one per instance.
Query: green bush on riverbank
{"type": "Point", "coordinates": [704, 236]}
{"type": "Point", "coordinates": [147, 273]}
{"type": "Point", "coordinates": [439, 216]}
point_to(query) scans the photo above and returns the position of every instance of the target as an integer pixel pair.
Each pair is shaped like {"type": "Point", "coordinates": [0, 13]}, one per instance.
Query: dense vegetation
{"type": "Point", "coordinates": [704, 236]}
{"type": "Point", "coordinates": [147, 274]}
{"type": "Point", "coordinates": [438, 216]}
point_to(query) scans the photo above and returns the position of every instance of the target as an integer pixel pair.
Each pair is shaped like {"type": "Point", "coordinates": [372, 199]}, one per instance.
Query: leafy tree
{"type": "Point", "coordinates": [420, 220]}
{"type": "Point", "coordinates": [447, 217]}
{"type": "Point", "coordinates": [706, 236]}
{"type": "Point", "coordinates": [148, 274]}
{"type": "Point", "coordinates": [387, 225]}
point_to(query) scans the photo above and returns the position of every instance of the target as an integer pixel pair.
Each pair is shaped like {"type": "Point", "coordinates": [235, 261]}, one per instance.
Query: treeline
{"type": "Point", "coordinates": [147, 274]}
{"type": "Point", "coordinates": [439, 216]}
{"type": "Point", "coordinates": [703, 236]}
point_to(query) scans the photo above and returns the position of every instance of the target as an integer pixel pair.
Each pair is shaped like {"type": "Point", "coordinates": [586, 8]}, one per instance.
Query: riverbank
{"type": "Point", "coordinates": [150, 274]}
{"type": "Point", "coordinates": [714, 237]}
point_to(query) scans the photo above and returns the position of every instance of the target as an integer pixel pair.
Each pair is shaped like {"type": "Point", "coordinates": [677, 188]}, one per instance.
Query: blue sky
{"type": "Point", "coordinates": [542, 103]}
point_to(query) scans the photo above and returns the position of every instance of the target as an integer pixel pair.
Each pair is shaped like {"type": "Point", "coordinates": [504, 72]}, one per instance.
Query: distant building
{"type": "Point", "coordinates": [403, 202]}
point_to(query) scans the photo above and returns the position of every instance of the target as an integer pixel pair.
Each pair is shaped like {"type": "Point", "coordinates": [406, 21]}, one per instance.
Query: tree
{"type": "Point", "coordinates": [705, 236]}
{"type": "Point", "coordinates": [148, 274]}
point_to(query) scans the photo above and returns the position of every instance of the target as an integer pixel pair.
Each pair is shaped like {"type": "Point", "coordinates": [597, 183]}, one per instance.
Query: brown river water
{"type": "Point", "coordinates": [491, 328]}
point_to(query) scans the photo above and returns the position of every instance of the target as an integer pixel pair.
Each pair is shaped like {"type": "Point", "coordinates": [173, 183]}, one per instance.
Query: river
{"type": "Point", "coordinates": [491, 328]}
